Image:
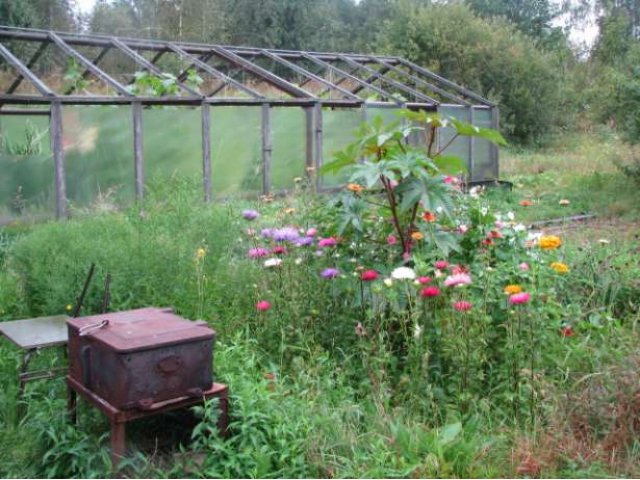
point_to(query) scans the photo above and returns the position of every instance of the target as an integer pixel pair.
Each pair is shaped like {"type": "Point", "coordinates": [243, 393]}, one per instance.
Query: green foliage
{"type": "Point", "coordinates": [74, 77]}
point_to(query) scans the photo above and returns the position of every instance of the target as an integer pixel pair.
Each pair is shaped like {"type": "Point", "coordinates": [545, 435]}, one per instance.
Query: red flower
{"type": "Point", "coordinates": [431, 291]}
{"type": "Point", "coordinates": [441, 264]}
{"type": "Point", "coordinates": [567, 331]}
{"type": "Point", "coordinates": [279, 250]}
{"type": "Point", "coordinates": [458, 269]}
{"type": "Point", "coordinates": [429, 216]}
{"type": "Point", "coordinates": [462, 306]}
{"type": "Point", "coordinates": [369, 275]}
{"type": "Point", "coordinates": [424, 280]}
{"type": "Point", "coordinates": [495, 234]}
{"type": "Point", "coordinates": [526, 203]}
{"type": "Point", "coordinates": [263, 306]}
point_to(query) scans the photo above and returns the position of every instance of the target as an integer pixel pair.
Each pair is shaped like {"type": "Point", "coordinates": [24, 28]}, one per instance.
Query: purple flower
{"type": "Point", "coordinates": [304, 242]}
{"type": "Point", "coordinates": [285, 234]}
{"type": "Point", "coordinates": [266, 232]}
{"type": "Point", "coordinates": [258, 252]}
{"type": "Point", "coordinates": [330, 273]}
{"type": "Point", "coordinates": [250, 214]}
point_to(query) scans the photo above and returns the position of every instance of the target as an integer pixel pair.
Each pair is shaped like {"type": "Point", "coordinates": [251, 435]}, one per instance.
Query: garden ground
{"type": "Point", "coordinates": [309, 398]}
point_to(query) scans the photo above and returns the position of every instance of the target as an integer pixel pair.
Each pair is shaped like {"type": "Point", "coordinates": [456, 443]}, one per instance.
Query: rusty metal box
{"type": "Point", "coordinates": [139, 358]}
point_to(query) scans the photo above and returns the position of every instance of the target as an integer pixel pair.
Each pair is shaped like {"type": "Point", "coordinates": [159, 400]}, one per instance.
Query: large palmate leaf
{"type": "Point", "coordinates": [450, 164]}
{"type": "Point", "coordinates": [469, 130]}
{"type": "Point", "coordinates": [431, 192]}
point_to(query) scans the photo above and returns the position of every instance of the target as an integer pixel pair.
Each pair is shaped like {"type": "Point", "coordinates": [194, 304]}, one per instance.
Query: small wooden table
{"type": "Point", "coordinates": [119, 418]}
{"type": "Point", "coordinates": [31, 335]}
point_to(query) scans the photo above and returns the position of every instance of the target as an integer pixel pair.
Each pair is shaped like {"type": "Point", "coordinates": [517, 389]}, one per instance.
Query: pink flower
{"type": "Point", "coordinates": [311, 232]}
{"type": "Point", "coordinates": [462, 306]}
{"type": "Point", "coordinates": [369, 275]}
{"type": "Point", "coordinates": [462, 229]}
{"type": "Point", "coordinates": [523, 266]}
{"type": "Point", "coordinates": [392, 240]}
{"type": "Point", "coordinates": [432, 291]}
{"type": "Point", "coordinates": [457, 280]}
{"type": "Point", "coordinates": [567, 331]}
{"type": "Point", "coordinates": [263, 306]}
{"type": "Point", "coordinates": [360, 331]}
{"type": "Point", "coordinates": [450, 180]}
{"type": "Point", "coordinates": [457, 269]}
{"type": "Point", "coordinates": [330, 273]}
{"type": "Point", "coordinates": [424, 280]}
{"type": "Point", "coordinates": [519, 298]}
{"type": "Point", "coordinates": [257, 252]}
{"type": "Point", "coordinates": [279, 250]}
{"type": "Point", "coordinates": [328, 242]}
{"type": "Point", "coordinates": [441, 264]}
{"type": "Point", "coordinates": [500, 224]}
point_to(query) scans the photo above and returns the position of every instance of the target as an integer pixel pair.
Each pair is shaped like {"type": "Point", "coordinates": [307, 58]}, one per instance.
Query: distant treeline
{"type": "Point", "coordinates": [507, 50]}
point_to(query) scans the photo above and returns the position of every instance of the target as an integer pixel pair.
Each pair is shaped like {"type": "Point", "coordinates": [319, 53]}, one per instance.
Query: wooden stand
{"type": "Point", "coordinates": [119, 418]}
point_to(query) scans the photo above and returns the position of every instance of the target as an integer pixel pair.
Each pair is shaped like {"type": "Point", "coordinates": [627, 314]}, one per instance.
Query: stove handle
{"type": "Point", "coordinates": [85, 361]}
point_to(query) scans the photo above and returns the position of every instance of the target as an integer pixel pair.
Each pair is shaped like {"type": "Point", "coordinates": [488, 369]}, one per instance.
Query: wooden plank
{"type": "Point", "coordinates": [422, 82]}
{"type": "Point", "coordinates": [87, 72]}
{"type": "Point", "coordinates": [150, 67]}
{"type": "Point", "coordinates": [267, 148]}
{"type": "Point", "coordinates": [22, 69]}
{"type": "Point", "coordinates": [24, 112]}
{"type": "Point", "coordinates": [342, 73]}
{"type": "Point", "coordinates": [138, 157]}
{"type": "Point", "coordinates": [55, 133]}
{"type": "Point", "coordinates": [213, 71]}
{"type": "Point", "coordinates": [266, 75]}
{"type": "Point", "coordinates": [317, 109]}
{"type": "Point", "coordinates": [182, 76]}
{"type": "Point", "coordinates": [36, 56]}
{"type": "Point", "coordinates": [97, 71]}
{"type": "Point", "coordinates": [206, 151]}
{"type": "Point", "coordinates": [429, 74]}
{"type": "Point", "coordinates": [308, 140]}
{"type": "Point", "coordinates": [309, 75]}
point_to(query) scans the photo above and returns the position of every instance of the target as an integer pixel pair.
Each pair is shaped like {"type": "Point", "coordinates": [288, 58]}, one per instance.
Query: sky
{"type": "Point", "coordinates": [580, 34]}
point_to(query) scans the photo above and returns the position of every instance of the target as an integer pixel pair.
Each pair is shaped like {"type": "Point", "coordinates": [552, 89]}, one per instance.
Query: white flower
{"type": "Point", "coordinates": [403, 273]}
{"type": "Point", "coordinates": [272, 262]}
{"type": "Point", "coordinates": [604, 241]}
{"type": "Point", "coordinates": [298, 261]}
{"type": "Point", "coordinates": [388, 282]}
{"type": "Point", "coordinates": [417, 331]}
{"type": "Point", "coordinates": [439, 209]}
{"type": "Point", "coordinates": [511, 216]}
{"type": "Point", "coordinates": [519, 228]}
{"type": "Point", "coordinates": [484, 210]}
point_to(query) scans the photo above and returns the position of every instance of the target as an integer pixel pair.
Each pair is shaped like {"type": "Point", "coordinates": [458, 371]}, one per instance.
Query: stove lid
{"type": "Point", "coordinates": [140, 329]}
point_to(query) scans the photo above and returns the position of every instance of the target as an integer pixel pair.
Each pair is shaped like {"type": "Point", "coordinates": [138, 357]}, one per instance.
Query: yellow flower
{"type": "Point", "coordinates": [200, 253]}
{"type": "Point", "coordinates": [511, 289]}
{"type": "Point", "coordinates": [69, 308]}
{"type": "Point", "coordinates": [354, 187]}
{"type": "Point", "coordinates": [560, 267]}
{"type": "Point", "coordinates": [564, 201]}
{"type": "Point", "coordinates": [549, 242]}
{"type": "Point", "coordinates": [417, 236]}
{"type": "Point", "coordinates": [290, 210]}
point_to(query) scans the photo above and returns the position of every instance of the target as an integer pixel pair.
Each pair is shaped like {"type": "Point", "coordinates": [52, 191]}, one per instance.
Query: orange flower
{"type": "Point", "coordinates": [354, 187]}
{"type": "Point", "coordinates": [560, 267]}
{"type": "Point", "coordinates": [417, 236]}
{"type": "Point", "coordinates": [526, 203]}
{"type": "Point", "coordinates": [290, 210]}
{"type": "Point", "coordinates": [549, 242]}
{"type": "Point", "coordinates": [511, 289]}
{"type": "Point", "coordinates": [429, 216]}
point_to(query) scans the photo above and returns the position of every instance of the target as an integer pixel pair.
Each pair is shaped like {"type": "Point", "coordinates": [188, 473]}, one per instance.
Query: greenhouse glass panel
{"type": "Point", "coordinates": [483, 164]}
{"type": "Point", "coordinates": [26, 163]}
{"type": "Point", "coordinates": [289, 146]}
{"type": "Point", "coordinates": [339, 128]}
{"type": "Point", "coordinates": [460, 146]}
{"type": "Point", "coordinates": [98, 144]}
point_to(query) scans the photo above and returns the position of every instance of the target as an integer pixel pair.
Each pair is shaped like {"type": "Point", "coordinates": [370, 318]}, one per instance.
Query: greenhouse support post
{"type": "Point", "coordinates": [138, 158]}
{"type": "Point", "coordinates": [206, 151]}
{"type": "Point", "coordinates": [55, 129]}
{"type": "Point", "coordinates": [266, 148]}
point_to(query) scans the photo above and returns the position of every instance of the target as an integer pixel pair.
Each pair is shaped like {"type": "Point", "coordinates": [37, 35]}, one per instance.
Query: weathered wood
{"type": "Point", "coordinates": [494, 151]}
{"type": "Point", "coordinates": [150, 67]}
{"type": "Point", "coordinates": [94, 69]}
{"type": "Point", "coordinates": [206, 151]}
{"type": "Point", "coordinates": [138, 157]}
{"type": "Point", "coordinates": [370, 79]}
{"type": "Point", "coordinates": [87, 72]}
{"type": "Point", "coordinates": [472, 162]}
{"type": "Point", "coordinates": [317, 109]}
{"type": "Point", "coordinates": [266, 75]}
{"type": "Point", "coordinates": [22, 69]}
{"type": "Point", "coordinates": [55, 133]}
{"type": "Point", "coordinates": [308, 139]}
{"type": "Point", "coordinates": [24, 112]}
{"type": "Point", "coordinates": [36, 56]}
{"type": "Point", "coordinates": [267, 148]}
{"type": "Point", "coordinates": [429, 74]}
{"type": "Point", "coordinates": [309, 75]}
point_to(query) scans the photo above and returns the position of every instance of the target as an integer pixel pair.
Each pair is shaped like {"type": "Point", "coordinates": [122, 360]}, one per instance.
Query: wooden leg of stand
{"type": "Point", "coordinates": [118, 443]}
{"type": "Point", "coordinates": [72, 405]}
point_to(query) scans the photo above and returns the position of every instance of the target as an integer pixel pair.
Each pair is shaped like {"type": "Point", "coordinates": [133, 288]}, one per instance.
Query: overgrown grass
{"type": "Point", "coordinates": [302, 402]}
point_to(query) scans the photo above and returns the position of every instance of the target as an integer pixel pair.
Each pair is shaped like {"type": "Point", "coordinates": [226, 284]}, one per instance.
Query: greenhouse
{"type": "Point", "coordinates": [86, 117]}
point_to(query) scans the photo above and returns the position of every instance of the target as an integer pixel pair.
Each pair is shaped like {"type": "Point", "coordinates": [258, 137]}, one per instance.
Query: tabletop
{"type": "Point", "coordinates": [37, 332]}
